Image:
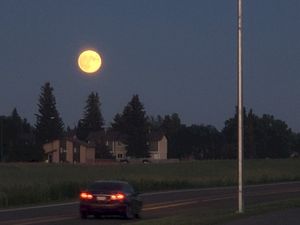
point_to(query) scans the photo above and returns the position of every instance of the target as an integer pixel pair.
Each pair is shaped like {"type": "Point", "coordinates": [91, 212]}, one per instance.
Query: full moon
{"type": "Point", "coordinates": [89, 61]}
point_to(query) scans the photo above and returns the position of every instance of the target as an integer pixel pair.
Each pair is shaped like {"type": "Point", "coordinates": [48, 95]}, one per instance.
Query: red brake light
{"type": "Point", "coordinates": [118, 196]}
{"type": "Point", "coordinates": [86, 196]}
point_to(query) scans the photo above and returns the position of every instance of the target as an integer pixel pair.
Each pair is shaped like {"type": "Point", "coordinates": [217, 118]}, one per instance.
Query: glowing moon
{"type": "Point", "coordinates": [89, 61]}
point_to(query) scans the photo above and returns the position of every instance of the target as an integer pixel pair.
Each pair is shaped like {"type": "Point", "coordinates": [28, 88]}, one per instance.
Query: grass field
{"type": "Point", "coordinates": [22, 184]}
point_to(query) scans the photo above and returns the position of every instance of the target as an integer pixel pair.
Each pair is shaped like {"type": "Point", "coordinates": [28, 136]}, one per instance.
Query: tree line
{"type": "Point", "coordinates": [265, 136]}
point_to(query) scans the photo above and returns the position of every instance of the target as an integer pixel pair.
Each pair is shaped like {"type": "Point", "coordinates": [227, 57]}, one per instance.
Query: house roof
{"type": "Point", "coordinates": [77, 141]}
{"type": "Point", "coordinates": [156, 136]}
{"type": "Point", "coordinates": [113, 135]}
{"type": "Point", "coordinates": [109, 135]}
{"type": "Point", "coordinates": [74, 140]}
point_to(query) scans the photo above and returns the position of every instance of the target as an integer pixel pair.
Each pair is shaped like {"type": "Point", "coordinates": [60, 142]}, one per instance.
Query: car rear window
{"type": "Point", "coordinates": [106, 186]}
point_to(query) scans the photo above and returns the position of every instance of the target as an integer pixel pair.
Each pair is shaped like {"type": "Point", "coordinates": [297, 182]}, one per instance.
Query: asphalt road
{"type": "Point", "coordinates": [156, 205]}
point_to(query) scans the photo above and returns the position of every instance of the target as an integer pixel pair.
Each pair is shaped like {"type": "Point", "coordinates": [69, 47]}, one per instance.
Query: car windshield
{"type": "Point", "coordinates": [106, 186]}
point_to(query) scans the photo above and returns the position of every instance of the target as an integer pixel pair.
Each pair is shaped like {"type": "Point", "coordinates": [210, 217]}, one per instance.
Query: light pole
{"type": "Point", "coordinates": [240, 111]}
{"type": "Point", "coordinates": [1, 139]}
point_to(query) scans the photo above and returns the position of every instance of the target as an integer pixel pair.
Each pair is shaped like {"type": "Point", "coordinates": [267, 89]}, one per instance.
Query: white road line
{"type": "Point", "coordinates": [217, 199]}
{"type": "Point", "coordinates": [170, 205]}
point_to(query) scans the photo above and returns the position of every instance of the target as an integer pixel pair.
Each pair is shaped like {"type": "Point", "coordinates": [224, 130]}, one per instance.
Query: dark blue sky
{"type": "Point", "coordinates": [179, 56]}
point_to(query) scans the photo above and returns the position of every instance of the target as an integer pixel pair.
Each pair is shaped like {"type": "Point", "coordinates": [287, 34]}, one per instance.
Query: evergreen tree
{"type": "Point", "coordinates": [197, 141]}
{"type": "Point", "coordinates": [13, 131]}
{"type": "Point", "coordinates": [2, 138]}
{"type": "Point", "coordinates": [49, 125]}
{"type": "Point", "coordinates": [17, 142]}
{"type": "Point", "coordinates": [295, 144]}
{"type": "Point", "coordinates": [264, 137]}
{"type": "Point", "coordinates": [155, 123]}
{"type": "Point", "coordinates": [92, 120]}
{"type": "Point", "coordinates": [133, 123]}
{"type": "Point", "coordinates": [171, 125]}
{"type": "Point", "coordinates": [15, 126]}
{"type": "Point", "coordinates": [274, 138]}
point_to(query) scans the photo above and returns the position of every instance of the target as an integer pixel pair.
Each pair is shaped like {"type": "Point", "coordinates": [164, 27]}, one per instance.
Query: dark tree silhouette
{"type": "Point", "coordinates": [265, 137]}
{"type": "Point", "coordinates": [49, 125]}
{"type": "Point", "coordinates": [133, 123]}
{"type": "Point", "coordinates": [92, 120]}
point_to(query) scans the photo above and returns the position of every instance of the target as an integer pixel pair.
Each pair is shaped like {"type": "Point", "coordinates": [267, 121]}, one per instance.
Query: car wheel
{"type": "Point", "coordinates": [83, 215]}
{"type": "Point", "coordinates": [128, 212]}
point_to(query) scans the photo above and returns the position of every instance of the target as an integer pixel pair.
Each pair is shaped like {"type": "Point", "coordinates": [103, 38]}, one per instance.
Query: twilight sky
{"type": "Point", "coordinates": [178, 55]}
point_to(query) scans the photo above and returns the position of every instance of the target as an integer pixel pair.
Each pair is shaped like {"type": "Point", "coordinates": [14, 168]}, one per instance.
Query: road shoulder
{"type": "Point", "coordinates": [282, 217]}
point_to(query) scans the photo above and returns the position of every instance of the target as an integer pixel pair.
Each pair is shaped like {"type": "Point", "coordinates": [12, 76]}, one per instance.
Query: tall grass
{"type": "Point", "coordinates": [40, 183]}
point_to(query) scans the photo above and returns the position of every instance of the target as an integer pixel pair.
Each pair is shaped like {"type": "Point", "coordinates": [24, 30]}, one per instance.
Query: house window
{"type": "Point", "coordinates": [76, 156]}
{"type": "Point", "coordinates": [50, 158]}
{"type": "Point", "coordinates": [62, 156]}
{"type": "Point", "coordinates": [120, 156]}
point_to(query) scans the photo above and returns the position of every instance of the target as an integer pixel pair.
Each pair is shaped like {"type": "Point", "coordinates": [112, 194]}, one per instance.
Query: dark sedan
{"type": "Point", "coordinates": [108, 197]}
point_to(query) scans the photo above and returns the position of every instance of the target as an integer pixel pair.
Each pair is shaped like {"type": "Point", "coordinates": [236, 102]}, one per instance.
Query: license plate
{"type": "Point", "coordinates": [101, 198]}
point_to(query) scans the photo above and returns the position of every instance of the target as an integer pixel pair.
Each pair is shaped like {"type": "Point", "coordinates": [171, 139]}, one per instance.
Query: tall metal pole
{"type": "Point", "coordinates": [1, 139]}
{"type": "Point", "coordinates": [240, 112]}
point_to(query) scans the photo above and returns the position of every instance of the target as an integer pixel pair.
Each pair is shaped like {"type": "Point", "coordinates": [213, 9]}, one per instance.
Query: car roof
{"type": "Point", "coordinates": [111, 181]}
{"type": "Point", "coordinates": [109, 184]}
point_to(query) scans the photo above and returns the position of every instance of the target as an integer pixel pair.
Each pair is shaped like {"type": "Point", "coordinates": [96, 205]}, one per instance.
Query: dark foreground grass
{"type": "Point", "coordinates": [200, 216]}
{"type": "Point", "coordinates": [22, 184]}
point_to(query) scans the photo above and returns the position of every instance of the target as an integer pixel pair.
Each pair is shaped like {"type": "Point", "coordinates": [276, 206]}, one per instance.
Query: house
{"type": "Point", "coordinates": [115, 142]}
{"type": "Point", "coordinates": [158, 145]}
{"type": "Point", "coordinates": [69, 150]}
